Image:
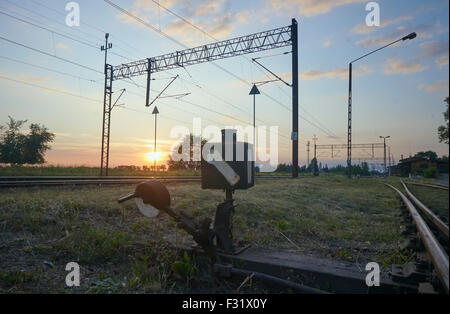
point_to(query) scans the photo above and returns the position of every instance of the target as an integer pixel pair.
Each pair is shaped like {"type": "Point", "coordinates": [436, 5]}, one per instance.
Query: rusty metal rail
{"type": "Point", "coordinates": [436, 186]}
{"type": "Point", "coordinates": [30, 181]}
{"type": "Point", "coordinates": [438, 256]}
{"type": "Point", "coordinates": [442, 227]}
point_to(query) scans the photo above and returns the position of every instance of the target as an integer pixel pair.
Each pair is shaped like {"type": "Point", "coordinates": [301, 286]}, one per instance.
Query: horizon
{"type": "Point", "coordinates": [398, 92]}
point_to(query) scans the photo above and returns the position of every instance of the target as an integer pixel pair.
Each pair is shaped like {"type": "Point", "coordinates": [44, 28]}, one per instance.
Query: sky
{"type": "Point", "coordinates": [52, 74]}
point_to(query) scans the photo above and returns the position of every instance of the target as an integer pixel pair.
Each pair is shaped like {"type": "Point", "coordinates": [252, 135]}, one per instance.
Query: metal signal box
{"type": "Point", "coordinates": [236, 167]}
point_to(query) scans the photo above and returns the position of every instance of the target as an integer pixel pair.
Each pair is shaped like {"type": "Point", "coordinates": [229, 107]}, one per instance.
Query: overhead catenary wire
{"type": "Point", "coordinates": [49, 54]}
{"type": "Point", "coordinates": [215, 64]}
{"type": "Point", "coordinates": [59, 58]}
{"type": "Point", "coordinates": [85, 34]}
{"type": "Point", "coordinates": [60, 34]}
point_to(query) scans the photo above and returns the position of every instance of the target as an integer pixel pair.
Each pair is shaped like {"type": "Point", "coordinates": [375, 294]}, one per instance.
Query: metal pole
{"type": "Point", "coordinates": [109, 131]}
{"type": "Point", "coordinates": [106, 111]}
{"type": "Point", "coordinates": [294, 36]}
{"type": "Point", "coordinates": [154, 149]}
{"type": "Point", "coordinates": [149, 78]}
{"type": "Point", "coordinates": [307, 150]}
{"type": "Point", "coordinates": [349, 134]}
{"type": "Point", "coordinates": [390, 165]}
{"type": "Point", "coordinates": [254, 128]}
{"type": "Point", "coordinates": [349, 138]}
{"type": "Point", "coordinates": [384, 155]}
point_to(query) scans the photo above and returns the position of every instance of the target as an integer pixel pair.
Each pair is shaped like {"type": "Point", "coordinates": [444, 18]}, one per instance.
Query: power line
{"type": "Point", "coordinates": [49, 69]}
{"type": "Point", "coordinates": [83, 97]}
{"type": "Point", "coordinates": [223, 69]}
{"type": "Point", "coordinates": [95, 46]}
{"type": "Point", "coordinates": [48, 88]}
{"type": "Point", "coordinates": [50, 55]}
{"type": "Point", "coordinates": [172, 39]}
{"type": "Point", "coordinates": [90, 26]}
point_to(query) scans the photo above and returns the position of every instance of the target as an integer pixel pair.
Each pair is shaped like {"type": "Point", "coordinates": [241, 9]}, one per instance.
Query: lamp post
{"type": "Point", "coordinates": [384, 139]}
{"type": "Point", "coordinates": [349, 134]}
{"type": "Point", "coordinates": [155, 112]}
{"type": "Point", "coordinates": [254, 91]}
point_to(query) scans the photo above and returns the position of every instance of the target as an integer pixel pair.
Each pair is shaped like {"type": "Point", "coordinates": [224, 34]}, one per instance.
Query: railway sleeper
{"type": "Point", "coordinates": [410, 273]}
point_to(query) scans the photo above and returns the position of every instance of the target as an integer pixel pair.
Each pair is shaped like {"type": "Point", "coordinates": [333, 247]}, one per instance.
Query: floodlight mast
{"type": "Point", "coordinates": [271, 39]}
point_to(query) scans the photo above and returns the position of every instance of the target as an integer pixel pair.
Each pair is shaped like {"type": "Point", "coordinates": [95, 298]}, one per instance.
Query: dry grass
{"type": "Point", "coordinates": [121, 251]}
{"type": "Point", "coordinates": [435, 199]}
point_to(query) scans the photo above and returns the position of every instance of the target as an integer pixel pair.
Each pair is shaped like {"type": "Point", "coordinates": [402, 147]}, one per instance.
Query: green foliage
{"type": "Point", "coordinates": [17, 148]}
{"type": "Point", "coordinates": [15, 278]}
{"type": "Point", "coordinates": [184, 268]}
{"type": "Point", "coordinates": [443, 129]}
{"type": "Point", "coordinates": [430, 173]}
{"type": "Point", "coordinates": [365, 169]}
{"type": "Point", "coordinates": [282, 225]}
{"type": "Point", "coordinates": [443, 165]}
{"type": "Point", "coordinates": [429, 155]}
{"type": "Point", "coordinates": [314, 167]}
{"type": "Point", "coordinates": [189, 163]}
{"type": "Point", "coordinates": [339, 169]}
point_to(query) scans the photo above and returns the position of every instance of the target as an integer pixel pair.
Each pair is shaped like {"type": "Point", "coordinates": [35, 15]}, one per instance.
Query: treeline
{"type": "Point", "coordinates": [17, 148]}
{"type": "Point", "coordinates": [317, 168]}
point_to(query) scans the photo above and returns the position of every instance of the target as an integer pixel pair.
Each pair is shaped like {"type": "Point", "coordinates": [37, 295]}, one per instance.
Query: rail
{"type": "Point", "coordinates": [437, 254]}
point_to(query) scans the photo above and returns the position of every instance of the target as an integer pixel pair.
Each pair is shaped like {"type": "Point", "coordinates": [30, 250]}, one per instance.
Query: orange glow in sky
{"type": "Point", "coordinates": [154, 156]}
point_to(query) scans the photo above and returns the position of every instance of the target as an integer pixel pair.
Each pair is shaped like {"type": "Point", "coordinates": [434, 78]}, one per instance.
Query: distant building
{"type": "Point", "coordinates": [413, 165]}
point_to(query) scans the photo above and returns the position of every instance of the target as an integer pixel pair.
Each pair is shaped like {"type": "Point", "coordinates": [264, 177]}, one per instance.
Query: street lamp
{"type": "Point", "coordinates": [384, 139]}
{"type": "Point", "coordinates": [155, 112]}
{"type": "Point", "coordinates": [349, 137]}
{"type": "Point", "coordinates": [254, 91]}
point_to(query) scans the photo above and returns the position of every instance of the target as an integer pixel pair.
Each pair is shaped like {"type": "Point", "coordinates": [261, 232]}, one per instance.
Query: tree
{"type": "Point", "coordinates": [365, 169]}
{"type": "Point", "coordinates": [430, 155]}
{"type": "Point", "coordinates": [443, 130]}
{"type": "Point", "coordinates": [186, 164]}
{"type": "Point", "coordinates": [314, 167]}
{"type": "Point", "coordinates": [17, 148]}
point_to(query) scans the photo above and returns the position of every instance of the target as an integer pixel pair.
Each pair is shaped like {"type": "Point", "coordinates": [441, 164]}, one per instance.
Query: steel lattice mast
{"type": "Point", "coordinates": [271, 39]}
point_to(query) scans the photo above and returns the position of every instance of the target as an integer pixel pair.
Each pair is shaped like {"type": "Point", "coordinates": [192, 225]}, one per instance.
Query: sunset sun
{"type": "Point", "coordinates": [153, 156]}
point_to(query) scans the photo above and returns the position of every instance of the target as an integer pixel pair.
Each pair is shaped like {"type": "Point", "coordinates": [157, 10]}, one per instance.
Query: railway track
{"type": "Point", "coordinates": [434, 185]}
{"type": "Point", "coordinates": [430, 230]}
{"type": "Point", "coordinates": [35, 181]}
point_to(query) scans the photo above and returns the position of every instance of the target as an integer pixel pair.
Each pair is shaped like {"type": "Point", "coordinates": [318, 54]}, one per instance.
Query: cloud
{"type": "Point", "coordinates": [438, 86]}
{"type": "Point", "coordinates": [308, 8]}
{"type": "Point", "coordinates": [341, 73]}
{"type": "Point", "coordinates": [218, 27]}
{"type": "Point", "coordinates": [424, 31]}
{"type": "Point", "coordinates": [33, 79]}
{"type": "Point", "coordinates": [208, 8]}
{"type": "Point", "coordinates": [61, 46]}
{"type": "Point", "coordinates": [147, 11]}
{"type": "Point", "coordinates": [396, 66]}
{"type": "Point", "coordinates": [327, 43]}
{"type": "Point", "coordinates": [211, 16]}
{"type": "Point", "coordinates": [442, 61]}
{"type": "Point", "coordinates": [436, 49]}
{"type": "Point", "coordinates": [364, 29]}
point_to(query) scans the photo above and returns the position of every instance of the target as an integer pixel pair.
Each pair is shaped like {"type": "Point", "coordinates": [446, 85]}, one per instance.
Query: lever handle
{"type": "Point", "coordinates": [126, 198]}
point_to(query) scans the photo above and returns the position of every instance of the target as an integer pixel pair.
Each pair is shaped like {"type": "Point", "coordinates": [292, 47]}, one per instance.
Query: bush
{"type": "Point", "coordinates": [430, 173]}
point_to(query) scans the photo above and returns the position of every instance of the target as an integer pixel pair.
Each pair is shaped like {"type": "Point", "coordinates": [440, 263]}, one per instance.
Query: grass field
{"type": "Point", "coordinates": [435, 199]}
{"type": "Point", "coordinates": [41, 230]}
{"type": "Point", "coordinates": [95, 171]}
{"type": "Point", "coordinates": [85, 171]}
